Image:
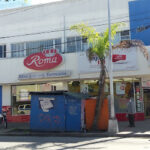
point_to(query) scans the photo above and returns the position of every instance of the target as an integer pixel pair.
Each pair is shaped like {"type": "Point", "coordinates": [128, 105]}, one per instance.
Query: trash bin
{"type": "Point", "coordinates": [56, 111]}
{"type": "Point", "coordinates": [47, 111]}
{"type": "Point", "coordinates": [74, 113]}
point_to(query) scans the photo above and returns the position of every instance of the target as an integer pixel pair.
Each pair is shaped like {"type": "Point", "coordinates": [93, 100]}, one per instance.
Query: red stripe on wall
{"type": "Point", "coordinates": [123, 117]}
{"type": "Point", "coordinates": [18, 118]}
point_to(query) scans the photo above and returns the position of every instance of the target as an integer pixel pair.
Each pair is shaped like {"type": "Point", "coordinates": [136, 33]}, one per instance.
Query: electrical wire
{"type": "Point", "coordinates": [59, 30]}
{"type": "Point", "coordinates": [43, 40]}
{"type": "Point", "coordinates": [42, 5]}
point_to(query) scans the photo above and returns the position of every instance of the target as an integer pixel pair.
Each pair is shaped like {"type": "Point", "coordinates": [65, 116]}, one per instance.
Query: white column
{"type": "Point", "coordinates": [65, 86]}
{"type": "Point", "coordinates": [8, 50]}
{"type": "Point", "coordinates": [6, 95]}
{"type": "Point", "coordinates": [113, 124]}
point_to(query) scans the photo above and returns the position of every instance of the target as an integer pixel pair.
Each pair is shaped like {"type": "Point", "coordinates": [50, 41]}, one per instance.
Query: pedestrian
{"type": "Point", "coordinates": [131, 111]}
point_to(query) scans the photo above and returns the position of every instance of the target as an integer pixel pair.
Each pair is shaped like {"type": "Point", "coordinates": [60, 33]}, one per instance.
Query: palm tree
{"type": "Point", "coordinates": [99, 47]}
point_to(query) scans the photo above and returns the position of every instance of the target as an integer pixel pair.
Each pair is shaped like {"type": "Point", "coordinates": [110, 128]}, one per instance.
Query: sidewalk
{"type": "Point", "coordinates": [142, 129]}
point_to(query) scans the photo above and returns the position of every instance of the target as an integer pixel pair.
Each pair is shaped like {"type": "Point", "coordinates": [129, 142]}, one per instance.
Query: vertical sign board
{"type": "Point", "coordinates": [0, 98]}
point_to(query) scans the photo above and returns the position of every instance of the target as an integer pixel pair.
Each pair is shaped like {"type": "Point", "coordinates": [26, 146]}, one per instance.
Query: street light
{"type": "Point", "coordinates": [113, 124]}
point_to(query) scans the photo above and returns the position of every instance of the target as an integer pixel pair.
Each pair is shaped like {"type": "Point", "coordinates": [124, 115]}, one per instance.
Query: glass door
{"type": "Point", "coordinates": [147, 103]}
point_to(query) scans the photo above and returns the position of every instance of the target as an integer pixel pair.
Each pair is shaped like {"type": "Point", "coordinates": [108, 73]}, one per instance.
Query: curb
{"type": "Point", "coordinates": [57, 134]}
{"type": "Point", "coordinates": [74, 134]}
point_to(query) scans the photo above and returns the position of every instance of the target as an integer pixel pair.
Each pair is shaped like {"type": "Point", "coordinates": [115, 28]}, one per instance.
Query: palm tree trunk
{"type": "Point", "coordinates": [100, 97]}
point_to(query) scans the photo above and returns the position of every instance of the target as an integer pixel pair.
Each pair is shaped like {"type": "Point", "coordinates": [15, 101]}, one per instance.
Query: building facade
{"type": "Point", "coordinates": [38, 31]}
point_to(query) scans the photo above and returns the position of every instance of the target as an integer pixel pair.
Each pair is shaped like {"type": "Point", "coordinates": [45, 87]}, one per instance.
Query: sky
{"type": "Point", "coordinates": [42, 1]}
{"type": "Point", "coordinates": [22, 3]}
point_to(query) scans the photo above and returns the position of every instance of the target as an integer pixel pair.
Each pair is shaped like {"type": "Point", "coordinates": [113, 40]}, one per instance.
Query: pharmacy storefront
{"type": "Point", "coordinates": [39, 72]}
{"type": "Point", "coordinates": [124, 68]}
{"type": "Point", "coordinates": [50, 71]}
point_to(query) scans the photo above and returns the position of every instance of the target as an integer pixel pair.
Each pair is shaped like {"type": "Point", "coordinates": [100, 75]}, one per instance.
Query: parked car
{"type": "Point", "coordinates": [24, 109]}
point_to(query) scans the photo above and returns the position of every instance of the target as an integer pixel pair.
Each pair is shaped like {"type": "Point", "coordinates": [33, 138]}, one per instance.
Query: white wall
{"type": "Point", "coordinates": [6, 95]}
{"type": "Point", "coordinates": [48, 17]}
{"type": "Point", "coordinates": [12, 67]}
{"type": "Point", "coordinates": [143, 67]}
{"type": "Point", "coordinates": [51, 17]}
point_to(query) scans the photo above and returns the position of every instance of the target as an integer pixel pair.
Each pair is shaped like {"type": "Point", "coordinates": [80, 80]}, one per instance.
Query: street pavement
{"type": "Point", "coordinates": [141, 129]}
{"type": "Point", "coordinates": [73, 143]}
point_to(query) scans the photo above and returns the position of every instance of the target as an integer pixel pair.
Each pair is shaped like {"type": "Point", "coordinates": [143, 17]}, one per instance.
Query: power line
{"type": "Point", "coordinates": [57, 30]}
{"type": "Point", "coordinates": [61, 43]}
{"type": "Point", "coordinates": [60, 30]}
{"type": "Point", "coordinates": [34, 7]}
{"type": "Point", "coordinates": [76, 40]}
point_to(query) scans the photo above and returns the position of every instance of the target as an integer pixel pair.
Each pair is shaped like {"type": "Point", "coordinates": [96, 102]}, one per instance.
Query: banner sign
{"type": "Point", "coordinates": [146, 82]}
{"type": "Point", "coordinates": [116, 57]}
{"type": "Point", "coordinates": [48, 59]}
{"type": "Point", "coordinates": [42, 75]}
{"type": "Point", "coordinates": [123, 60]}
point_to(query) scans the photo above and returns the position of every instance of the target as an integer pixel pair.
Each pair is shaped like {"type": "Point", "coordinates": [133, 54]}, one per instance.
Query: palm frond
{"type": "Point", "coordinates": [132, 43]}
{"type": "Point", "coordinates": [90, 54]}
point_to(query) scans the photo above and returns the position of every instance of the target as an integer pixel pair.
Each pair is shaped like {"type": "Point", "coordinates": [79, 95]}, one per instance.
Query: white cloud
{"type": "Point", "coordinates": [34, 2]}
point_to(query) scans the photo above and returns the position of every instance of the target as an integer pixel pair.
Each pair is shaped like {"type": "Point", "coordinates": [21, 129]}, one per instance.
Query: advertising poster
{"type": "Point", "coordinates": [122, 61]}
{"type": "Point", "coordinates": [84, 88]}
{"type": "Point", "coordinates": [46, 103]}
{"type": "Point", "coordinates": [120, 88]}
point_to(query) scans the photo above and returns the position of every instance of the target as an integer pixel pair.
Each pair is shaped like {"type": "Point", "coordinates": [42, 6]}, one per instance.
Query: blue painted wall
{"type": "Point", "coordinates": [139, 13]}
{"type": "Point", "coordinates": [0, 98]}
{"type": "Point", "coordinates": [65, 115]}
{"type": "Point", "coordinates": [53, 120]}
{"type": "Point", "coordinates": [73, 114]}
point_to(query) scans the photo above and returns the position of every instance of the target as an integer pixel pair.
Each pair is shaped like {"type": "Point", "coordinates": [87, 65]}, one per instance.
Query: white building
{"type": "Point", "coordinates": [29, 30]}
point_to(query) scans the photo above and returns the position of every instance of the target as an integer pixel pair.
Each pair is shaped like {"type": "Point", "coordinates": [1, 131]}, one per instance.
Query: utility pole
{"type": "Point", "coordinates": [113, 124]}
{"type": "Point", "coordinates": [64, 34]}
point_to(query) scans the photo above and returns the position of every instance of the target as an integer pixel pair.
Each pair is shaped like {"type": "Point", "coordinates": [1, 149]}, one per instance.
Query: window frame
{"type": "Point", "coordinates": [76, 46]}
{"type": "Point", "coordinates": [3, 54]}
{"type": "Point", "coordinates": [27, 48]}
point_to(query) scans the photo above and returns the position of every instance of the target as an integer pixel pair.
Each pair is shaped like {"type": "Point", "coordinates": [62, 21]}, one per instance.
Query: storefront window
{"type": "Point", "coordinates": [89, 87]}
{"type": "Point", "coordinates": [21, 98]}
{"type": "Point", "coordinates": [74, 86]}
{"type": "Point", "coordinates": [122, 87]}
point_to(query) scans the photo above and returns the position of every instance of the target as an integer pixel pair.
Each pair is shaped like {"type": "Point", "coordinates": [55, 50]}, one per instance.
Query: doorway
{"type": "Point", "coordinates": [147, 103]}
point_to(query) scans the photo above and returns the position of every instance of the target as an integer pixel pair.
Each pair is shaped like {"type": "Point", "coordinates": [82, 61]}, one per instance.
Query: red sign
{"type": "Point", "coordinates": [47, 59]}
{"type": "Point", "coordinates": [117, 57]}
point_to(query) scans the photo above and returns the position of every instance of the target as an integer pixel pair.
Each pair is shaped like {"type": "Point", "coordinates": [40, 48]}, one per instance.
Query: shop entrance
{"type": "Point", "coordinates": [147, 103]}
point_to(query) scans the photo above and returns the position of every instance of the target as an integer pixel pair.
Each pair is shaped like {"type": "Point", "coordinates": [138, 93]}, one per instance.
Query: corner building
{"type": "Point", "coordinates": [39, 31]}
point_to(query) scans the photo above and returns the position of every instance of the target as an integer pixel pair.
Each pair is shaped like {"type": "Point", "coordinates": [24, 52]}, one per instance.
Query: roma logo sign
{"type": "Point", "coordinates": [45, 60]}
{"type": "Point", "coordinates": [116, 57]}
